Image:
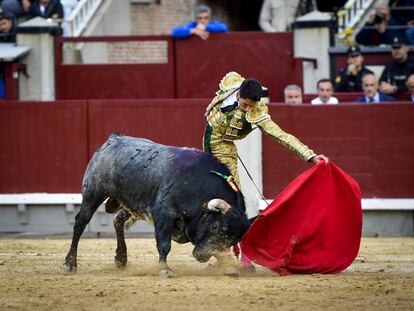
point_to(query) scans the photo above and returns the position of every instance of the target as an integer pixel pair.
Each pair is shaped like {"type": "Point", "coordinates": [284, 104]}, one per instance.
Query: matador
{"type": "Point", "coordinates": [236, 110]}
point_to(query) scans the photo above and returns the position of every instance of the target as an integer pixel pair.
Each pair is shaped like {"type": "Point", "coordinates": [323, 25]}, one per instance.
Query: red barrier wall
{"type": "Point", "coordinates": [267, 57]}
{"type": "Point", "coordinates": [46, 146]}
{"type": "Point", "coordinates": [167, 121]}
{"type": "Point", "coordinates": [101, 81]}
{"type": "Point", "coordinates": [194, 67]}
{"type": "Point", "coordinates": [373, 143]}
{"type": "Point", "coordinates": [43, 146]}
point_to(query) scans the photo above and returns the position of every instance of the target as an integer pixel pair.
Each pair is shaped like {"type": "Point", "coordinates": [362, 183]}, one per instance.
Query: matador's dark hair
{"type": "Point", "coordinates": [251, 89]}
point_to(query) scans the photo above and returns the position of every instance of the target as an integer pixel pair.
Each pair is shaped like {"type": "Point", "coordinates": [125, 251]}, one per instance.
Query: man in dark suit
{"type": "Point", "coordinates": [46, 9]}
{"type": "Point", "coordinates": [370, 88]}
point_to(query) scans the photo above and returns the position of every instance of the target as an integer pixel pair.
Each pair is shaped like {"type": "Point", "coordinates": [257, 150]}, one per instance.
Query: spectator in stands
{"type": "Point", "coordinates": [201, 27]}
{"type": "Point", "coordinates": [7, 28]}
{"type": "Point", "coordinates": [26, 4]}
{"type": "Point", "coordinates": [11, 7]}
{"type": "Point", "coordinates": [410, 86]}
{"type": "Point", "coordinates": [46, 9]}
{"type": "Point", "coordinates": [2, 86]}
{"type": "Point", "coordinates": [293, 94]}
{"type": "Point", "coordinates": [370, 88]}
{"type": "Point", "coordinates": [376, 30]}
{"type": "Point", "coordinates": [403, 15]}
{"type": "Point", "coordinates": [277, 15]}
{"type": "Point", "coordinates": [325, 91]}
{"type": "Point", "coordinates": [396, 73]}
{"type": "Point", "coordinates": [350, 79]}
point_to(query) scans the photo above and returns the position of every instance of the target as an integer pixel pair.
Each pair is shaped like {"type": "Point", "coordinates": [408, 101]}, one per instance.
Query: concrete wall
{"type": "Point", "coordinates": [250, 151]}
{"type": "Point", "coordinates": [40, 84]}
{"type": "Point", "coordinates": [311, 37]}
{"type": "Point", "coordinates": [111, 19]}
{"type": "Point", "coordinates": [58, 218]}
{"type": "Point", "coordinates": [388, 223]}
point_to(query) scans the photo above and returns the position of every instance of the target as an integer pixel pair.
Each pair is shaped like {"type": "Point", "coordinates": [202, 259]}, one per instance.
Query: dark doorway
{"type": "Point", "coordinates": [243, 15]}
{"type": "Point", "coordinates": [330, 6]}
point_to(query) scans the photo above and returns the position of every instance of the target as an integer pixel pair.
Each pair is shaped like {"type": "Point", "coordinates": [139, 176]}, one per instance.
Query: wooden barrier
{"type": "Point", "coordinates": [268, 57]}
{"type": "Point", "coordinates": [166, 121]}
{"type": "Point", "coordinates": [101, 81]}
{"type": "Point", "coordinates": [43, 146]}
{"type": "Point", "coordinates": [371, 142]}
{"type": "Point", "coordinates": [193, 69]}
{"type": "Point", "coordinates": [46, 146]}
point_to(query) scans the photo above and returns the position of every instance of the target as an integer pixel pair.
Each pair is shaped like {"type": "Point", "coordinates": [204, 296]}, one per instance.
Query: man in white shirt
{"type": "Point", "coordinates": [277, 15]}
{"type": "Point", "coordinates": [325, 91]}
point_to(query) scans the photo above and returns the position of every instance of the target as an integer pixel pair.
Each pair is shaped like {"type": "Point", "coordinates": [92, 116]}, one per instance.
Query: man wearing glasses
{"type": "Point", "coordinates": [201, 27]}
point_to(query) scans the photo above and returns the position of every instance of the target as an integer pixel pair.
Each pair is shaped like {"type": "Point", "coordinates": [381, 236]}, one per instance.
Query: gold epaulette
{"type": "Point", "coordinates": [228, 85]}
{"type": "Point", "coordinates": [258, 113]}
{"type": "Point", "coordinates": [231, 81]}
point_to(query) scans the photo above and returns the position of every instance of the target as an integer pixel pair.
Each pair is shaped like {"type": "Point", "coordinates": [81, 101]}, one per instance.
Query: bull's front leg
{"type": "Point", "coordinates": [163, 227]}
{"type": "Point", "coordinates": [121, 250]}
{"type": "Point", "coordinates": [88, 207]}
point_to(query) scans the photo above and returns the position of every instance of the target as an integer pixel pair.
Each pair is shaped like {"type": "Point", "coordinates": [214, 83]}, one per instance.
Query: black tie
{"type": "Point", "coordinates": [371, 99]}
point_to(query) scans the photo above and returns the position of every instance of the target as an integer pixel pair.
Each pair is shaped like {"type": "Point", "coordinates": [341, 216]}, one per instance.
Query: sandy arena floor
{"type": "Point", "coordinates": [31, 275]}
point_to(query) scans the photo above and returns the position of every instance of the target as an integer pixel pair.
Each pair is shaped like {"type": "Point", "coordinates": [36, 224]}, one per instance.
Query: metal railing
{"type": "Point", "coordinates": [351, 14]}
{"type": "Point", "coordinates": [80, 17]}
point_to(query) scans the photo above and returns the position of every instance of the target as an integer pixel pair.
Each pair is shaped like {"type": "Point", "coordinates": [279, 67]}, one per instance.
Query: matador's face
{"type": "Point", "coordinates": [245, 104]}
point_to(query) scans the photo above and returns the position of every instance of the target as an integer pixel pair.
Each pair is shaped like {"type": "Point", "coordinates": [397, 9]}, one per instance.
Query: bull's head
{"type": "Point", "coordinates": [222, 226]}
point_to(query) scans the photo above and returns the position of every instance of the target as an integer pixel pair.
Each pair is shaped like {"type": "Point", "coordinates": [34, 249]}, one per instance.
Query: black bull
{"type": "Point", "coordinates": [173, 188]}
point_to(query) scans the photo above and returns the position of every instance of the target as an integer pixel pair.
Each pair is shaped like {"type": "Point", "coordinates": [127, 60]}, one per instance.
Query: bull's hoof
{"type": "Point", "coordinates": [211, 268]}
{"type": "Point", "coordinates": [120, 264]}
{"type": "Point", "coordinates": [69, 268]}
{"type": "Point", "coordinates": [166, 273]}
{"type": "Point", "coordinates": [248, 270]}
{"type": "Point", "coordinates": [232, 271]}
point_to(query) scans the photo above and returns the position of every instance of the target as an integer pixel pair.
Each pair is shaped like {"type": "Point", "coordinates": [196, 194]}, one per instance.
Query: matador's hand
{"type": "Point", "coordinates": [320, 157]}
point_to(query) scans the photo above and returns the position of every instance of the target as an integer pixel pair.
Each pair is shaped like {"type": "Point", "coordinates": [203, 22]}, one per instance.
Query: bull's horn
{"type": "Point", "coordinates": [218, 205]}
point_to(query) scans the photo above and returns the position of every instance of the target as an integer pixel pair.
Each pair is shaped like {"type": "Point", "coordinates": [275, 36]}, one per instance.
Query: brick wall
{"type": "Point", "coordinates": [156, 19]}
{"type": "Point", "coordinates": [138, 52]}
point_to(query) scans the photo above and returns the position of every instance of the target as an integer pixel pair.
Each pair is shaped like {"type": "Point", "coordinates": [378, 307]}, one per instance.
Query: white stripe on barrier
{"type": "Point", "coordinates": [40, 198]}
{"type": "Point", "coordinates": [374, 204]}
{"type": "Point", "coordinates": [76, 198]}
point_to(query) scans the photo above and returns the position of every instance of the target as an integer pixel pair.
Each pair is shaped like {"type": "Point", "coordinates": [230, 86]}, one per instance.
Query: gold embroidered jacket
{"type": "Point", "coordinates": [225, 127]}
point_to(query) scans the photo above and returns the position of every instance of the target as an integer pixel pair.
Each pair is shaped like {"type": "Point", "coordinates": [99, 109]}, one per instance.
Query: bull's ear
{"type": "Point", "coordinates": [218, 205]}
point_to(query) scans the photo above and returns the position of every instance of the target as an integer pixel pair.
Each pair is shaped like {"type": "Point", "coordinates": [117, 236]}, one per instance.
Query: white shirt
{"type": "Point", "coordinates": [42, 9]}
{"type": "Point", "coordinates": [229, 100]}
{"type": "Point", "coordinates": [318, 101]}
{"type": "Point", "coordinates": [277, 15]}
